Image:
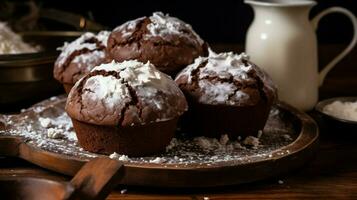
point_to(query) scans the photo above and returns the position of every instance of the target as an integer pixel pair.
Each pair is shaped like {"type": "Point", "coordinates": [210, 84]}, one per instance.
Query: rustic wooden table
{"type": "Point", "coordinates": [331, 175]}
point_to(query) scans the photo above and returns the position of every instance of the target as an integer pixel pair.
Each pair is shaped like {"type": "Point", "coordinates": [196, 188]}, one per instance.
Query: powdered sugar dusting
{"type": "Point", "coordinates": [225, 66]}
{"type": "Point", "coordinates": [162, 25]}
{"type": "Point", "coordinates": [46, 127]}
{"type": "Point", "coordinates": [84, 61]}
{"type": "Point", "coordinates": [109, 93]}
{"type": "Point", "coordinates": [127, 29]}
{"type": "Point", "coordinates": [182, 151]}
{"type": "Point", "coordinates": [106, 93]}
{"type": "Point", "coordinates": [81, 43]}
{"type": "Point", "coordinates": [219, 91]}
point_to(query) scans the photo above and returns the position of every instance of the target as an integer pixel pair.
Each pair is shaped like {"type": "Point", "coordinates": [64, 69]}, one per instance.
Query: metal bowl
{"type": "Point", "coordinates": [27, 78]}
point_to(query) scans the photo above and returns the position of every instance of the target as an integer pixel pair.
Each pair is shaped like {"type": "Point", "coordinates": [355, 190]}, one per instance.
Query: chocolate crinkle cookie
{"type": "Point", "coordinates": [227, 94]}
{"type": "Point", "coordinates": [79, 57]}
{"type": "Point", "coordinates": [129, 108]}
{"type": "Point", "coordinates": [167, 42]}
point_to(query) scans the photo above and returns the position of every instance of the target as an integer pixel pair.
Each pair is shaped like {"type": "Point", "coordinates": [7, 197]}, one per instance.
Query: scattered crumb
{"type": "Point", "coordinates": [123, 158]}
{"type": "Point", "coordinates": [45, 122]}
{"type": "Point", "coordinates": [224, 139]}
{"type": "Point", "coordinates": [205, 198]}
{"type": "Point", "coordinates": [123, 191]}
{"type": "Point", "coordinates": [119, 157]}
{"type": "Point", "coordinates": [260, 133]}
{"type": "Point", "coordinates": [252, 141]}
{"type": "Point", "coordinates": [280, 182]}
{"type": "Point", "coordinates": [287, 137]}
{"type": "Point", "coordinates": [239, 138]}
{"type": "Point", "coordinates": [54, 133]}
{"type": "Point", "coordinates": [157, 160]}
{"type": "Point", "coordinates": [172, 144]}
{"type": "Point", "coordinates": [203, 142]}
{"type": "Point", "coordinates": [114, 155]}
{"type": "Point", "coordinates": [237, 145]}
{"type": "Point", "coordinates": [274, 112]}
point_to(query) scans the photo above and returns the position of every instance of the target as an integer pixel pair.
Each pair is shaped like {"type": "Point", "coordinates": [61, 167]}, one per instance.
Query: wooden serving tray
{"type": "Point", "coordinates": [23, 137]}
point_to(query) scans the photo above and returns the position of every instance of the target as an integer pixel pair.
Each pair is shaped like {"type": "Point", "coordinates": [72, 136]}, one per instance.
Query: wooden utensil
{"type": "Point", "coordinates": [93, 181]}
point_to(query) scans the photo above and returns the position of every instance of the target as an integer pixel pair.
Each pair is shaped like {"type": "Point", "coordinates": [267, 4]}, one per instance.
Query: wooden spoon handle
{"type": "Point", "coordinates": [97, 178]}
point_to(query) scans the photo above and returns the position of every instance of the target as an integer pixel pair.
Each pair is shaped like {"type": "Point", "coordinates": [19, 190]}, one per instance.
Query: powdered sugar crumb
{"type": "Point", "coordinates": [55, 133]}
{"type": "Point", "coordinates": [260, 133]}
{"type": "Point", "coordinates": [158, 160]}
{"type": "Point", "coordinates": [252, 141]}
{"type": "Point", "coordinates": [45, 122]}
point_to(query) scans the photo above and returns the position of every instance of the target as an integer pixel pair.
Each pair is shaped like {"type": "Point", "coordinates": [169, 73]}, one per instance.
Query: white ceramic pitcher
{"type": "Point", "coordinates": [282, 40]}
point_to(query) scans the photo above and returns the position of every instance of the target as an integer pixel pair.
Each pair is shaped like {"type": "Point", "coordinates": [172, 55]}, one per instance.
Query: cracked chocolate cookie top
{"type": "Point", "coordinates": [125, 94]}
{"type": "Point", "coordinates": [226, 79]}
{"type": "Point", "coordinates": [80, 56]}
{"type": "Point", "coordinates": [167, 42]}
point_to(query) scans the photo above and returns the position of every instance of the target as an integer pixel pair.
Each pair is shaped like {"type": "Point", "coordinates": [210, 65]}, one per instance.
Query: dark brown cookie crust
{"type": "Point", "coordinates": [132, 140]}
{"type": "Point", "coordinates": [169, 55]}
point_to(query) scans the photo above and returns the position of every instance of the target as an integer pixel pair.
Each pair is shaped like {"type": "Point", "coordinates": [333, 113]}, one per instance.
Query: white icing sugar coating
{"type": "Point", "coordinates": [128, 27]}
{"type": "Point", "coordinates": [85, 60]}
{"type": "Point", "coordinates": [223, 66]}
{"type": "Point", "coordinates": [103, 93]}
{"type": "Point", "coordinates": [80, 43]}
{"type": "Point", "coordinates": [161, 25]}
{"type": "Point", "coordinates": [218, 91]}
{"type": "Point", "coordinates": [104, 96]}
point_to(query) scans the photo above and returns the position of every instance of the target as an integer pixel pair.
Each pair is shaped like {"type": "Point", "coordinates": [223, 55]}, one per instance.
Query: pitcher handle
{"type": "Point", "coordinates": [315, 21]}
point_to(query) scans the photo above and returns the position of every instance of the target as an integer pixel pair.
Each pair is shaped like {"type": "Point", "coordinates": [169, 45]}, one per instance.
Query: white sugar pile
{"type": "Point", "coordinates": [12, 43]}
{"type": "Point", "coordinates": [342, 110]}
